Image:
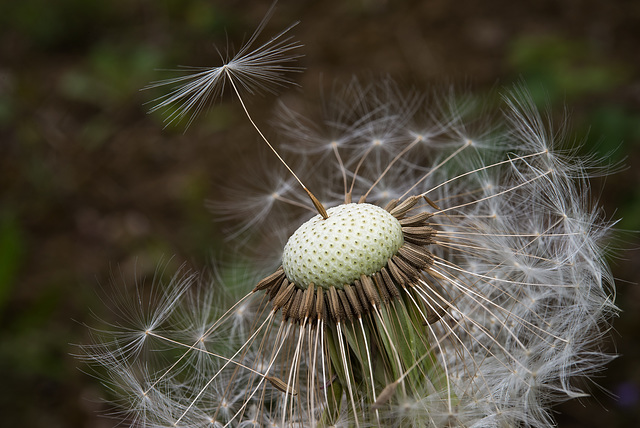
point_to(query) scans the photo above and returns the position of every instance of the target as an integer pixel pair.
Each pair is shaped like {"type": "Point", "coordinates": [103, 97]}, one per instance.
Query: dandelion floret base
{"type": "Point", "coordinates": [355, 239]}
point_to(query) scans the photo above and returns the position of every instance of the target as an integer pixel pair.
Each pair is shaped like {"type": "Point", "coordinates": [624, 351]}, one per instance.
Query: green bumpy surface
{"type": "Point", "coordinates": [356, 239]}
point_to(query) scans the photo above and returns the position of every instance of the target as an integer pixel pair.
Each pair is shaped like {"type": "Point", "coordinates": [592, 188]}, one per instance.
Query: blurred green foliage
{"type": "Point", "coordinates": [560, 69]}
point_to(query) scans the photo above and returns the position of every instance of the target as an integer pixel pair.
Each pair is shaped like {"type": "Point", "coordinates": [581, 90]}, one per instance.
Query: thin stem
{"type": "Point", "coordinates": [316, 203]}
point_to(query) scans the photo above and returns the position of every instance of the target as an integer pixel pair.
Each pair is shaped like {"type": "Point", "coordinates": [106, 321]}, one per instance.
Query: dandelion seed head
{"type": "Point", "coordinates": [466, 287]}
{"type": "Point", "coordinates": [356, 239]}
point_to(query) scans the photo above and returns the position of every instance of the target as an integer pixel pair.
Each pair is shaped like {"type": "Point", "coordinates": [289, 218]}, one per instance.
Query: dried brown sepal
{"type": "Point", "coordinates": [385, 395]}
{"type": "Point", "coordinates": [364, 301]}
{"type": "Point", "coordinates": [275, 289]}
{"type": "Point", "coordinates": [320, 306]}
{"type": "Point", "coordinates": [421, 235]}
{"type": "Point", "coordinates": [271, 280]}
{"type": "Point", "coordinates": [283, 295]}
{"type": "Point", "coordinates": [409, 271]}
{"type": "Point", "coordinates": [396, 274]}
{"type": "Point", "coordinates": [436, 314]}
{"type": "Point", "coordinates": [281, 386]}
{"type": "Point", "coordinates": [416, 256]}
{"type": "Point", "coordinates": [346, 305]}
{"type": "Point", "coordinates": [351, 294]}
{"type": "Point", "coordinates": [288, 306]}
{"type": "Point", "coordinates": [400, 210]}
{"type": "Point", "coordinates": [369, 289]}
{"type": "Point", "coordinates": [421, 231]}
{"type": "Point", "coordinates": [294, 311]}
{"type": "Point", "coordinates": [335, 308]}
{"type": "Point", "coordinates": [306, 308]}
{"type": "Point", "coordinates": [391, 205]}
{"type": "Point", "coordinates": [416, 220]}
{"type": "Point", "coordinates": [318, 206]}
{"type": "Point", "coordinates": [389, 284]}
{"type": "Point", "coordinates": [431, 203]}
{"type": "Point", "coordinates": [436, 275]}
{"type": "Point", "coordinates": [381, 287]}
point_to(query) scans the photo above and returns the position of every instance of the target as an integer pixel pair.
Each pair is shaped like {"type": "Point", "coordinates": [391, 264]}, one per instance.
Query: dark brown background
{"type": "Point", "coordinates": [91, 185]}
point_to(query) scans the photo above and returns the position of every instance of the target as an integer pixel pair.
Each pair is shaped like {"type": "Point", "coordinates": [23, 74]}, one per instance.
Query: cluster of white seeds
{"type": "Point", "coordinates": [355, 239]}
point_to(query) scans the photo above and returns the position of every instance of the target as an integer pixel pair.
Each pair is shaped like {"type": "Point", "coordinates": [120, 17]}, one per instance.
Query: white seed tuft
{"type": "Point", "coordinates": [356, 239]}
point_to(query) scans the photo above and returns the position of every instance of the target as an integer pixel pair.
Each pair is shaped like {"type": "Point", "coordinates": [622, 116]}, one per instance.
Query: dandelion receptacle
{"type": "Point", "coordinates": [440, 269]}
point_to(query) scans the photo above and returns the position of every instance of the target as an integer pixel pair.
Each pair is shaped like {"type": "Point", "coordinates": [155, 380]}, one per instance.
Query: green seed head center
{"type": "Point", "coordinates": [355, 239]}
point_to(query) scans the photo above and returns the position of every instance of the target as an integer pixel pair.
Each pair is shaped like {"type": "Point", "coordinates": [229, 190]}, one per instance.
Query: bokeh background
{"type": "Point", "coordinates": [92, 187]}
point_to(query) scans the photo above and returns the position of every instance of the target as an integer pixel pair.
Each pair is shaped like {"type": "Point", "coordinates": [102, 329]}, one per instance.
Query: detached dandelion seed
{"type": "Point", "coordinates": [455, 279]}
{"type": "Point", "coordinates": [265, 68]}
